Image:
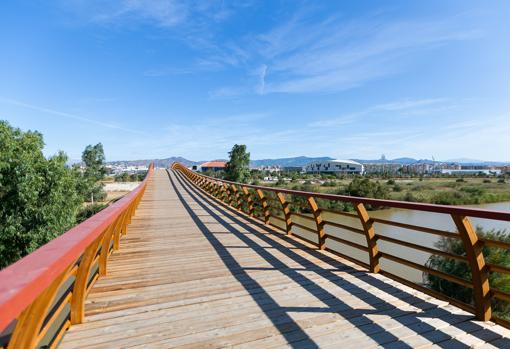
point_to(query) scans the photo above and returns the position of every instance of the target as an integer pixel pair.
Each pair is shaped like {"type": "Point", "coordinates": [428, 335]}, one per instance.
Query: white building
{"type": "Point", "coordinates": [486, 172]}
{"type": "Point", "coordinates": [335, 166]}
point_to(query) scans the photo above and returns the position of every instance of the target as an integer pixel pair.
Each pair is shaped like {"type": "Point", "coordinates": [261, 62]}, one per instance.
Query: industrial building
{"type": "Point", "coordinates": [335, 166]}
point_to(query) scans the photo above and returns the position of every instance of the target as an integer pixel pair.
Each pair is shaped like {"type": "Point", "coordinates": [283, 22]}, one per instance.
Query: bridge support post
{"type": "Point", "coordinates": [479, 270]}
{"type": "Point", "coordinates": [321, 235]}
{"type": "Point", "coordinates": [286, 212]}
{"type": "Point", "coordinates": [368, 227]}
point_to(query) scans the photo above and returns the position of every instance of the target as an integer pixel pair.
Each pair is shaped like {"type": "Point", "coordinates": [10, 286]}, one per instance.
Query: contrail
{"type": "Point", "coordinates": [65, 115]}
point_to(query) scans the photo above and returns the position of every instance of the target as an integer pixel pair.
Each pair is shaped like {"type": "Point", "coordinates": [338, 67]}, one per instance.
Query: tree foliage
{"type": "Point", "coordinates": [93, 160]}
{"type": "Point", "coordinates": [497, 256]}
{"type": "Point", "coordinates": [237, 168]}
{"type": "Point", "coordinates": [38, 196]}
{"type": "Point", "coordinates": [363, 187]}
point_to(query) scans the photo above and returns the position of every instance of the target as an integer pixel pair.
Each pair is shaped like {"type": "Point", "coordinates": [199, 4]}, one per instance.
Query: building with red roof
{"type": "Point", "coordinates": [212, 166]}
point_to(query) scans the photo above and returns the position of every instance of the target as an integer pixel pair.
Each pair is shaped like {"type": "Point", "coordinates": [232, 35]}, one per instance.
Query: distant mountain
{"type": "Point", "coordinates": [157, 162]}
{"type": "Point", "coordinates": [288, 162]}
{"type": "Point", "coordinates": [300, 161]}
{"type": "Point", "coordinates": [465, 161]}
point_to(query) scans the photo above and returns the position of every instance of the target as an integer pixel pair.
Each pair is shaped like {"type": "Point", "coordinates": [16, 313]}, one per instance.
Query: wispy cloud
{"type": "Point", "coordinates": [67, 115]}
{"type": "Point", "coordinates": [161, 13]}
{"type": "Point", "coordinates": [335, 54]}
{"type": "Point", "coordinates": [404, 107]}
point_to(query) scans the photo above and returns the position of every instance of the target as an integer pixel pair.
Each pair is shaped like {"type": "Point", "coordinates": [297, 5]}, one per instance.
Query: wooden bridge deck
{"type": "Point", "coordinates": [193, 274]}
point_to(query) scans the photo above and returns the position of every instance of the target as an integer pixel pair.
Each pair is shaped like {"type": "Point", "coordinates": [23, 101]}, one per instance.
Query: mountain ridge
{"type": "Point", "coordinates": [299, 161]}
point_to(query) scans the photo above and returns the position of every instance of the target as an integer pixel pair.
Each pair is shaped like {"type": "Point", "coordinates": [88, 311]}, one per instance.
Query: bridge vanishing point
{"type": "Point", "coordinates": [188, 261]}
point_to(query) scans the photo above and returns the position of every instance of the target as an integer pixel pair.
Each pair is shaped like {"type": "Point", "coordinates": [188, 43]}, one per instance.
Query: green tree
{"type": "Point", "coordinates": [93, 160]}
{"type": "Point", "coordinates": [364, 187]}
{"type": "Point", "coordinates": [237, 168]}
{"type": "Point", "coordinates": [492, 255]}
{"type": "Point", "coordinates": [38, 196]}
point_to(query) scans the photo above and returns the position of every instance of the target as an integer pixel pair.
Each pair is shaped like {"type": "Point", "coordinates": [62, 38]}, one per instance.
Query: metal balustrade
{"type": "Point", "coordinates": [271, 205]}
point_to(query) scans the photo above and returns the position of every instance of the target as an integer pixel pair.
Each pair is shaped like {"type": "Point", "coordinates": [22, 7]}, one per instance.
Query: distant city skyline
{"type": "Point", "coordinates": [160, 78]}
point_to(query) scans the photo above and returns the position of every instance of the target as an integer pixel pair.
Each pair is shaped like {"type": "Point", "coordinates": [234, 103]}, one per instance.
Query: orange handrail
{"type": "Point", "coordinates": [29, 286]}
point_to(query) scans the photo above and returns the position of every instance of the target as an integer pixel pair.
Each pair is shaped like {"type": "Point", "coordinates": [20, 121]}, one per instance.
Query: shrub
{"type": "Point", "coordinates": [460, 180]}
{"type": "Point", "coordinates": [88, 211]}
{"type": "Point", "coordinates": [461, 269]}
{"type": "Point", "coordinates": [390, 182]}
{"type": "Point", "coordinates": [410, 197]}
{"type": "Point", "coordinates": [365, 188]}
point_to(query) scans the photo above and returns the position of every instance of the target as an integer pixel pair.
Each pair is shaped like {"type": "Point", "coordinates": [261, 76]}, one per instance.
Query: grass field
{"type": "Point", "coordinates": [448, 191]}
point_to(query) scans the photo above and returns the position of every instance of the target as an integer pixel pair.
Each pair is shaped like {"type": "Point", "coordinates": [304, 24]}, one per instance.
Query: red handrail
{"type": "Point", "coordinates": [22, 282]}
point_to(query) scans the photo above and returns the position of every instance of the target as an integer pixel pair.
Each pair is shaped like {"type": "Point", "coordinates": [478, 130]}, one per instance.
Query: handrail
{"type": "Point", "coordinates": [435, 208]}
{"type": "Point", "coordinates": [473, 245]}
{"type": "Point", "coordinates": [28, 287]}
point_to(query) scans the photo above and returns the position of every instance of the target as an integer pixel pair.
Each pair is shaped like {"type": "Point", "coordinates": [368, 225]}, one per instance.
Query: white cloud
{"type": "Point", "coordinates": [332, 55]}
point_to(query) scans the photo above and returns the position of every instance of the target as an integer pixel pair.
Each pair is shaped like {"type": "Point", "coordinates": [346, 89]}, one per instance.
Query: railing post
{"type": "Point", "coordinates": [479, 270]}
{"type": "Point", "coordinates": [206, 184]}
{"type": "Point", "coordinates": [105, 246]}
{"type": "Point", "coordinates": [286, 212]}
{"type": "Point", "coordinates": [318, 221]}
{"type": "Point", "coordinates": [229, 194]}
{"type": "Point", "coordinates": [368, 227]}
{"type": "Point", "coordinates": [118, 232]}
{"type": "Point", "coordinates": [265, 206]}
{"type": "Point", "coordinates": [219, 192]}
{"type": "Point", "coordinates": [249, 199]}
{"type": "Point", "coordinates": [223, 192]}
{"type": "Point", "coordinates": [29, 323]}
{"type": "Point", "coordinates": [236, 196]}
{"type": "Point", "coordinates": [80, 284]}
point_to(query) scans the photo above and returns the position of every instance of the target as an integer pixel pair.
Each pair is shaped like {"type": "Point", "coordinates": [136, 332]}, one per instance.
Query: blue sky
{"type": "Point", "coordinates": [160, 78]}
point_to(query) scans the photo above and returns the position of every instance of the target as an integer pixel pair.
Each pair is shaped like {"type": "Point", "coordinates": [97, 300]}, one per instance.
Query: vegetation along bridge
{"type": "Point", "coordinates": [190, 261]}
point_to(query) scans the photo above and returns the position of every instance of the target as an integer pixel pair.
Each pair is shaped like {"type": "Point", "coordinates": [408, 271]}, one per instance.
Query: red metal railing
{"type": "Point", "coordinates": [281, 208]}
{"type": "Point", "coordinates": [43, 294]}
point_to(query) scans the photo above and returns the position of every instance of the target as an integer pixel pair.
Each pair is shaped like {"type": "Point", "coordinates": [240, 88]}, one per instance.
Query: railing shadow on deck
{"type": "Point", "coordinates": [357, 317]}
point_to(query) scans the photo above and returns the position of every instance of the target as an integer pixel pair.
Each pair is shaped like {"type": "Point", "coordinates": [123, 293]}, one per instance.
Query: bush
{"type": "Point", "coordinates": [410, 197]}
{"type": "Point", "coordinates": [88, 211]}
{"type": "Point", "coordinates": [39, 196]}
{"type": "Point", "coordinates": [390, 182]}
{"type": "Point", "coordinates": [460, 180]}
{"type": "Point", "coordinates": [460, 269]}
{"type": "Point", "coordinates": [365, 188]}
{"type": "Point", "coordinates": [501, 180]}
{"type": "Point", "coordinates": [487, 180]}
{"type": "Point", "coordinates": [397, 188]}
